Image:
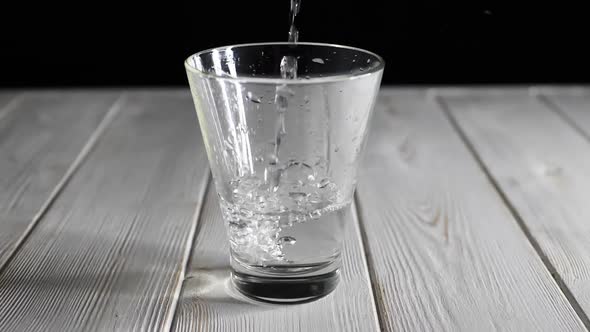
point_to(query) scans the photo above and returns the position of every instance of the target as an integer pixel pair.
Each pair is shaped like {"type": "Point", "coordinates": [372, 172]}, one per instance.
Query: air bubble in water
{"type": "Point", "coordinates": [315, 215]}
{"type": "Point", "coordinates": [297, 170]}
{"type": "Point", "coordinates": [298, 197]}
{"type": "Point", "coordinates": [287, 240]}
{"type": "Point", "coordinates": [323, 183]}
{"type": "Point", "coordinates": [318, 60]}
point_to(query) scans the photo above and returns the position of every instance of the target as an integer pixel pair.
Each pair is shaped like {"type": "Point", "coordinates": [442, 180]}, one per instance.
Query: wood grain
{"type": "Point", "coordinates": [209, 304]}
{"type": "Point", "coordinates": [110, 253]}
{"type": "Point", "coordinates": [447, 254]}
{"type": "Point", "coordinates": [542, 165]}
{"type": "Point", "coordinates": [41, 136]}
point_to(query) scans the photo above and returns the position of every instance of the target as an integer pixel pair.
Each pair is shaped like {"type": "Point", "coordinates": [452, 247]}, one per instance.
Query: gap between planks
{"type": "Point", "coordinates": [369, 263]}
{"type": "Point", "coordinates": [544, 99]}
{"type": "Point", "coordinates": [186, 258]}
{"type": "Point", "coordinates": [517, 217]}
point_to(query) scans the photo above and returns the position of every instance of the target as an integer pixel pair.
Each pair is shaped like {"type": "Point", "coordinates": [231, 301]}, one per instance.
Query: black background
{"type": "Point", "coordinates": [423, 42]}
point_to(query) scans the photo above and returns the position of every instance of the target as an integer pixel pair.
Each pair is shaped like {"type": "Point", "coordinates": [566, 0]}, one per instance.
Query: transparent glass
{"type": "Point", "coordinates": [284, 126]}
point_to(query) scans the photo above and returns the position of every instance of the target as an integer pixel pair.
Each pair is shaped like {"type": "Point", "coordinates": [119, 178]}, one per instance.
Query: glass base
{"type": "Point", "coordinates": [285, 290]}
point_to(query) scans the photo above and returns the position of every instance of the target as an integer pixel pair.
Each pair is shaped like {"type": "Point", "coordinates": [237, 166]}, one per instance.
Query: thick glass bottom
{"type": "Point", "coordinates": [285, 290]}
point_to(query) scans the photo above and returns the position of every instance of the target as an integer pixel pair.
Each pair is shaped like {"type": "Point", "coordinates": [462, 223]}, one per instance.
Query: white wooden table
{"type": "Point", "coordinates": [473, 214]}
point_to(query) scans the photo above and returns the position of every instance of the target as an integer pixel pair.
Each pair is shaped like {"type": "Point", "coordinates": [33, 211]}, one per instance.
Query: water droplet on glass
{"type": "Point", "coordinates": [307, 77]}
{"type": "Point", "coordinates": [318, 60]}
{"type": "Point", "coordinates": [336, 149]}
{"type": "Point", "coordinates": [253, 98]}
{"type": "Point", "coordinates": [368, 60]}
{"type": "Point", "coordinates": [287, 240]}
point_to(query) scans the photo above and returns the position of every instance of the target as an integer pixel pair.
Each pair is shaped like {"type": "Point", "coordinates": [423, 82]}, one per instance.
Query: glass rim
{"type": "Point", "coordinates": [262, 80]}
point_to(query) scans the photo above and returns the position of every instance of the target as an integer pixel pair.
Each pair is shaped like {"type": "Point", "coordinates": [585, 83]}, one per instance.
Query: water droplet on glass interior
{"type": "Point", "coordinates": [318, 60]}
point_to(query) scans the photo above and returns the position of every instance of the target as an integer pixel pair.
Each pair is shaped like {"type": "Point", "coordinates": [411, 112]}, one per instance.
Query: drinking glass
{"type": "Point", "coordinates": [284, 126]}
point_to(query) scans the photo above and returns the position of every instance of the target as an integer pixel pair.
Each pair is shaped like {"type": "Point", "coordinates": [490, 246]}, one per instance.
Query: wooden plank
{"type": "Point", "coordinates": [110, 253]}
{"type": "Point", "coordinates": [43, 136]}
{"type": "Point", "coordinates": [208, 303]}
{"type": "Point", "coordinates": [575, 108]}
{"type": "Point", "coordinates": [447, 254]}
{"type": "Point", "coordinates": [542, 165]}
